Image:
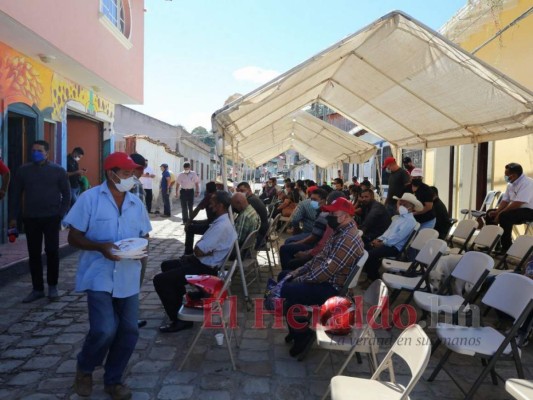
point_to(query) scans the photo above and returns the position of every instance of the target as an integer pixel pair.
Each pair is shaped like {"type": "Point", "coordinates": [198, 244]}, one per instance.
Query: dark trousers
{"type": "Point", "coordinates": [507, 220]}
{"type": "Point", "coordinates": [186, 200]}
{"type": "Point", "coordinates": [309, 294]}
{"type": "Point", "coordinates": [170, 283]}
{"type": "Point", "coordinates": [374, 260]}
{"type": "Point", "coordinates": [287, 252]}
{"type": "Point", "coordinates": [36, 229]}
{"type": "Point", "coordinates": [296, 263]}
{"type": "Point", "coordinates": [148, 196]}
{"type": "Point", "coordinates": [166, 202]}
{"type": "Point", "coordinates": [194, 228]}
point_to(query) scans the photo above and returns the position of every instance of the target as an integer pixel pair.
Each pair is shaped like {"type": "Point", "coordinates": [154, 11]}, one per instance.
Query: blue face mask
{"type": "Point", "coordinates": [507, 179]}
{"type": "Point", "coordinates": [314, 204]}
{"type": "Point", "coordinates": [37, 156]}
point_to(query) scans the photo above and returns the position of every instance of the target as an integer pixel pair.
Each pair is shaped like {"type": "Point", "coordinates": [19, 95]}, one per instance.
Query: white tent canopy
{"type": "Point", "coordinates": [319, 141]}
{"type": "Point", "coordinates": [396, 78]}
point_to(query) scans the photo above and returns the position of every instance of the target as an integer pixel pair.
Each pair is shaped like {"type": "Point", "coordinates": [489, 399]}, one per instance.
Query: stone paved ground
{"type": "Point", "coordinates": [39, 343]}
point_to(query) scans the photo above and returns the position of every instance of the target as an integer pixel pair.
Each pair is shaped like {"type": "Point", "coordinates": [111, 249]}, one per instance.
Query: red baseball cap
{"type": "Point", "coordinates": [311, 189]}
{"type": "Point", "coordinates": [119, 160]}
{"type": "Point", "coordinates": [388, 161]}
{"type": "Point", "coordinates": [340, 204]}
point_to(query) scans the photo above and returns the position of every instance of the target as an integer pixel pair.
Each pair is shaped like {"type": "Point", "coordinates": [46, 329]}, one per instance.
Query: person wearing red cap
{"type": "Point", "coordinates": [102, 216]}
{"type": "Point", "coordinates": [324, 275]}
{"type": "Point", "coordinates": [398, 178]}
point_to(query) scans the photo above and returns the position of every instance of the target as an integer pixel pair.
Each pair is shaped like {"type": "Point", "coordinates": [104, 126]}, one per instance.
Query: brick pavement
{"type": "Point", "coordinates": [39, 343]}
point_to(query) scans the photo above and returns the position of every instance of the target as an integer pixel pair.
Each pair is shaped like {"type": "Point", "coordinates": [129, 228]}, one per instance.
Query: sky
{"type": "Point", "coordinates": [200, 52]}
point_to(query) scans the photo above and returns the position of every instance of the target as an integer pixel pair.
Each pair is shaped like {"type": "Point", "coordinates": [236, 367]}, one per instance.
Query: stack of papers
{"type": "Point", "coordinates": [134, 248]}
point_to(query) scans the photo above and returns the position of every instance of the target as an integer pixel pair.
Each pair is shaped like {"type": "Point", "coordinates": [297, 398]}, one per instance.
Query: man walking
{"type": "Point", "coordinates": [75, 173]}
{"type": "Point", "coordinates": [46, 199]}
{"type": "Point", "coordinates": [105, 214]}
{"type": "Point", "coordinates": [147, 182]}
{"type": "Point", "coordinates": [187, 184]}
{"type": "Point", "coordinates": [164, 189]}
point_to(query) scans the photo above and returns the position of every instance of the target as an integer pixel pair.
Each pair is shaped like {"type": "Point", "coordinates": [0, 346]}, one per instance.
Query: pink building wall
{"type": "Point", "coordinates": [75, 29]}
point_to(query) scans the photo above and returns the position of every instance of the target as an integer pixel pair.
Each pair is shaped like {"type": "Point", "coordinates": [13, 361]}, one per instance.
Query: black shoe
{"type": "Point", "coordinates": [156, 212]}
{"type": "Point", "coordinates": [167, 215]}
{"type": "Point", "coordinates": [141, 323]}
{"type": "Point", "coordinates": [302, 345]}
{"type": "Point", "coordinates": [289, 338]}
{"type": "Point", "coordinates": [175, 326]}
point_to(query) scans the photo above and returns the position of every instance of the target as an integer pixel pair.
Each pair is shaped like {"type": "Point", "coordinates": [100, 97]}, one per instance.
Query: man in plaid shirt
{"type": "Point", "coordinates": [324, 275]}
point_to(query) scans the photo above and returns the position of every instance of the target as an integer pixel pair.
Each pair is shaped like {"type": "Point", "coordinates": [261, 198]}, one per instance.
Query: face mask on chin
{"type": "Point", "coordinates": [124, 185]}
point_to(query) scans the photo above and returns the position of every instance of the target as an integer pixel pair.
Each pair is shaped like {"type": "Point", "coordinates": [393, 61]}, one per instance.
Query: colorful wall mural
{"type": "Point", "coordinates": [24, 80]}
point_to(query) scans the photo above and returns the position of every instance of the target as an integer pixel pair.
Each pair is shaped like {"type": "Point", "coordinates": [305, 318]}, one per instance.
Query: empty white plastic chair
{"type": "Point", "coordinates": [413, 346]}
{"type": "Point", "coordinates": [520, 389]}
{"type": "Point", "coordinates": [520, 250]}
{"type": "Point", "coordinates": [511, 294]}
{"type": "Point", "coordinates": [462, 234]}
{"type": "Point", "coordinates": [460, 288]}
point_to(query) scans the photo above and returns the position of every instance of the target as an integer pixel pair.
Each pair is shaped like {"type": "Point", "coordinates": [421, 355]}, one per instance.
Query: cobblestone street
{"type": "Point", "coordinates": [39, 342]}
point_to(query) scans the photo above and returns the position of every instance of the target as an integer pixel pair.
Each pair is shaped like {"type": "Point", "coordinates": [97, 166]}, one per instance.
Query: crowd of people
{"type": "Point", "coordinates": [329, 228]}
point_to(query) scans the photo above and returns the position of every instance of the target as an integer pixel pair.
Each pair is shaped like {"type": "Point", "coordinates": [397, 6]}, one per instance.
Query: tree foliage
{"type": "Point", "coordinates": [204, 135]}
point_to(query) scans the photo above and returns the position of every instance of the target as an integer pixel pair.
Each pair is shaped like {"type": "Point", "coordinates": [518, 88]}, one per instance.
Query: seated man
{"type": "Point", "coordinates": [259, 208]}
{"type": "Point", "coordinates": [325, 274]}
{"type": "Point", "coordinates": [199, 227]}
{"type": "Point", "coordinates": [288, 251]}
{"type": "Point", "coordinates": [516, 206]}
{"type": "Point", "coordinates": [391, 243]}
{"type": "Point", "coordinates": [307, 212]}
{"type": "Point", "coordinates": [247, 220]}
{"type": "Point", "coordinates": [374, 217]}
{"type": "Point", "coordinates": [442, 224]}
{"type": "Point", "coordinates": [209, 253]}
{"type": "Point", "coordinates": [269, 191]}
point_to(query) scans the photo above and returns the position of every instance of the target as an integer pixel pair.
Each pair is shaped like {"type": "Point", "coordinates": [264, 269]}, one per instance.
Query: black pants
{"type": "Point", "coordinates": [36, 228]}
{"type": "Point", "coordinates": [166, 202]}
{"type": "Point", "coordinates": [148, 196]}
{"type": "Point", "coordinates": [186, 200]}
{"type": "Point", "coordinates": [170, 283]}
{"type": "Point", "coordinates": [507, 220]}
{"type": "Point", "coordinates": [375, 255]}
{"type": "Point", "coordinates": [195, 228]}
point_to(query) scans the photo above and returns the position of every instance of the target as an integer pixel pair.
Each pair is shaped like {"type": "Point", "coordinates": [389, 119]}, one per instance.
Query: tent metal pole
{"type": "Point", "coordinates": [474, 163]}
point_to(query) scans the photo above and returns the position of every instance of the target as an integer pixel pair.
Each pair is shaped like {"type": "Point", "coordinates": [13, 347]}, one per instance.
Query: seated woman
{"type": "Point", "coordinates": [287, 205]}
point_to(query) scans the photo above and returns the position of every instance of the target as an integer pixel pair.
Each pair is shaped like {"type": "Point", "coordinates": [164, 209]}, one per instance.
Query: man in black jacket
{"type": "Point", "coordinates": [375, 219]}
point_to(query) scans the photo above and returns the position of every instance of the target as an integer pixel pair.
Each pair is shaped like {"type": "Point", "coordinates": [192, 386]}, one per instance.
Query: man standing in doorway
{"type": "Point", "coordinates": [164, 189]}
{"type": "Point", "coordinates": [147, 181]}
{"type": "Point", "coordinates": [187, 184]}
{"type": "Point", "coordinates": [398, 179]}
{"type": "Point", "coordinates": [75, 173]}
{"type": "Point", "coordinates": [46, 200]}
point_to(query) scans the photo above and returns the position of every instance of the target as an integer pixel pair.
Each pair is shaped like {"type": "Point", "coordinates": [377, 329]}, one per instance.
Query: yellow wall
{"type": "Point", "coordinates": [512, 54]}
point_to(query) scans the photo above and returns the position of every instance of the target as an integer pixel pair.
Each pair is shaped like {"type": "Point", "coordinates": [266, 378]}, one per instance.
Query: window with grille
{"type": "Point", "coordinates": [113, 10]}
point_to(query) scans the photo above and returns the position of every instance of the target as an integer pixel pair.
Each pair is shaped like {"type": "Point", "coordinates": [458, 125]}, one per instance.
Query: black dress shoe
{"type": "Point", "coordinates": [141, 323]}
{"type": "Point", "coordinates": [175, 326]}
{"type": "Point", "coordinates": [302, 345]}
{"type": "Point", "coordinates": [289, 338]}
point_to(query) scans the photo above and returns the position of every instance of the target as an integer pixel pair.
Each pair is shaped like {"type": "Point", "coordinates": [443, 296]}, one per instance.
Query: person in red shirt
{"type": "Point", "coordinates": [6, 175]}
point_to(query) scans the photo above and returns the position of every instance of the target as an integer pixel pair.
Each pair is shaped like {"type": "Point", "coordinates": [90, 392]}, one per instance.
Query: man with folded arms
{"type": "Point", "coordinates": [102, 216]}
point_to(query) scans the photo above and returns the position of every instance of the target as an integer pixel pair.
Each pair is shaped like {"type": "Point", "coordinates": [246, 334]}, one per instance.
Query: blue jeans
{"type": "Point", "coordinates": [74, 194]}
{"type": "Point", "coordinates": [296, 238]}
{"type": "Point", "coordinates": [113, 332]}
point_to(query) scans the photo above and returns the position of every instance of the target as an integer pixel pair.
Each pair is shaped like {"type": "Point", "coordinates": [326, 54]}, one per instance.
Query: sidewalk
{"type": "Point", "coordinates": [39, 342]}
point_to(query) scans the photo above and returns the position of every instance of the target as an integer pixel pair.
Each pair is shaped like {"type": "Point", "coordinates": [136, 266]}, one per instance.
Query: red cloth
{"type": "Point", "coordinates": [3, 168]}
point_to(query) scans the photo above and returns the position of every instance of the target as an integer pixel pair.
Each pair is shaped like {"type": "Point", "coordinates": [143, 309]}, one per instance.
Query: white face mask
{"type": "Point", "coordinates": [388, 170]}
{"type": "Point", "coordinates": [77, 158]}
{"type": "Point", "coordinates": [187, 171]}
{"type": "Point", "coordinates": [403, 210]}
{"type": "Point", "coordinates": [124, 185]}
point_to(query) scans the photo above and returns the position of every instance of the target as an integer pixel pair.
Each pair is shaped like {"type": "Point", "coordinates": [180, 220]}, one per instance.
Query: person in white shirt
{"type": "Point", "coordinates": [516, 206]}
{"type": "Point", "coordinates": [187, 185]}
{"type": "Point", "coordinates": [147, 181]}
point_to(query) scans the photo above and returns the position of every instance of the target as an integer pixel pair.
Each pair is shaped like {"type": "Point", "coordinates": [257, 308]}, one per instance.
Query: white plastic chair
{"type": "Point", "coordinates": [198, 315]}
{"type": "Point", "coordinates": [468, 275]}
{"type": "Point", "coordinates": [362, 338]}
{"type": "Point", "coordinates": [520, 250]}
{"type": "Point", "coordinates": [413, 346]}
{"type": "Point", "coordinates": [249, 259]}
{"type": "Point", "coordinates": [426, 258]}
{"type": "Point", "coordinates": [462, 235]}
{"type": "Point", "coordinates": [485, 206]}
{"type": "Point", "coordinates": [422, 237]}
{"type": "Point", "coordinates": [511, 294]}
{"type": "Point", "coordinates": [520, 389]}
{"type": "Point", "coordinates": [355, 274]}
